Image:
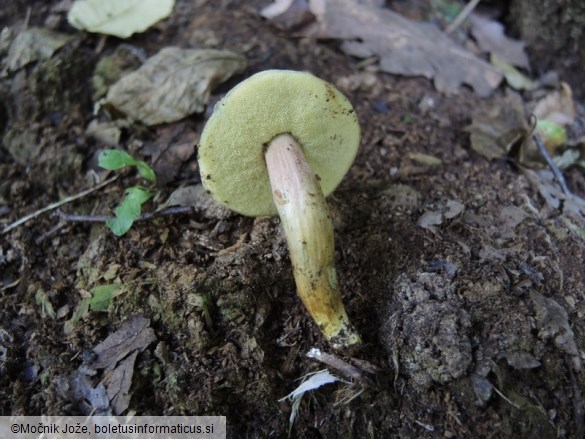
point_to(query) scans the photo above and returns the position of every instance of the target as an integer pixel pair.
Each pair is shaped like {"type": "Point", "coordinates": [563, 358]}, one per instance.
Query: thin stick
{"type": "Point", "coordinates": [468, 9]}
{"type": "Point", "coordinates": [554, 168]}
{"type": "Point", "coordinates": [505, 398]}
{"type": "Point", "coordinates": [342, 366]}
{"type": "Point", "coordinates": [175, 210]}
{"type": "Point", "coordinates": [53, 206]}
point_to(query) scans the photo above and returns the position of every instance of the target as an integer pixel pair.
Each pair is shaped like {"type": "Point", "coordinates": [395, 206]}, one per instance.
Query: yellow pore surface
{"type": "Point", "coordinates": [273, 102]}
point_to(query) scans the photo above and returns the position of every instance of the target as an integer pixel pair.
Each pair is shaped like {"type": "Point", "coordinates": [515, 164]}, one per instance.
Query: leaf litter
{"type": "Point", "coordinates": [34, 44]}
{"type": "Point", "coordinates": [173, 84]}
{"type": "Point", "coordinates": [491, 38]}
{"type": "Point", "coordinates": [120, 18]}
{"type": "Point", "coordinates": [404, 47]}
{"type": "Point", "coordinates": [117, 355]}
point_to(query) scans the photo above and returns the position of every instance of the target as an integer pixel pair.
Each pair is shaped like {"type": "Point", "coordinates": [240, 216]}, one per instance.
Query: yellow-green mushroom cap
{"type": "Point", "coordinates": [234, 140]}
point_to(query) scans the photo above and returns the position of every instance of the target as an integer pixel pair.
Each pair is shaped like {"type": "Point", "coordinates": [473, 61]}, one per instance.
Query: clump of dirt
{"type": "Point", "coordinates": [428, 329]}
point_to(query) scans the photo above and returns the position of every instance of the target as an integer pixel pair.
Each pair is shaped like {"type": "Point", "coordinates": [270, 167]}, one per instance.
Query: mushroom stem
{"type": "Point", "coordinates": [309, 233]}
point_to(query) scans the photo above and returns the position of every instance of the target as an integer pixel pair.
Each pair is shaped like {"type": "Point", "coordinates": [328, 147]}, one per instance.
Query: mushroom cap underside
{"type": "Point", "coordinates": [234, 140]}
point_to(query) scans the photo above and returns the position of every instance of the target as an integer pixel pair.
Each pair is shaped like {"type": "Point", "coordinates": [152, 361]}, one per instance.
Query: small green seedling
{"type": "Point", "coordinates": [101, 298]}
{"type": "Point", "coordinates": [114, 159]}
{"type": "Point", "coordinates": [130, 208]}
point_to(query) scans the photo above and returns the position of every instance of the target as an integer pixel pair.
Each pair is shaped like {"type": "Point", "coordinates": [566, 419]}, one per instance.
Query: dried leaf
{"type": "Point", "coordinates": [430, 219]}
{"type": "Point", "coordinates": [425, 159]}
{"type": "Point", "coordinates": [134, 334]}
{"type": "Point", "coordinates": [118, 383]}
{"type": "Point", "coordinates": [405, 47]}
{"type": "Point", "coordinates": [514, 78]}
{"type": "Point", "coordinates": [567, 159]}
{"type": "Point", "coordinates": [572, 206]}
{"type": "Point", "coordinates": [111, 68]}
{"type": "Point", "coordinates": [108, 133]}
{"type": "Point", "coordinates": [552, 322]}
{"type": "Point", "coordinates": [120, 18]}
{"type": "Point", "coordinates": [78, 388]}
{"type": "Point", "coordinates": [34, 44]}
{"type": "Point", "coordinates": [521, 360]}
{"type": "Point", "coordinates": [170, 149]}
{"type": "Point", "coordinates": [510, 217]}
{"type": "Point", "coordinates": [454, 208]}
{"type": "Point", "coordinates": [288, 14]}
{"type": "Point", "coordinates": [173, 84]}
{"type": "Point", "coordinates": [557, 106]}
{"type": "Point", "coordinates": [498, 126]}
{"type": "Point", "coordinates": [490, 37]}
{"type": "Point", "coordinates": [185, 196]}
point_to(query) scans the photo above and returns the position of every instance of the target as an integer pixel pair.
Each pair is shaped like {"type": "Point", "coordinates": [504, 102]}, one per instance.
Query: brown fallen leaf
{"type": "Point", "coordinates": [404, 47]}
{"type": "Point", "coordinates": [78, 388]}
{"type": "Point", "coordinates": [498, 126]}
{"type": "Point", "coordinates": [490, 37]}
{"type": "Point", "coordinates": [288, 14]}
{"type": "Point", "coordinates": [552, 322]}
{"type": "Point", "coordinates": [173, 84]}
{"type": "Point", "coordinates": [557, 106]}
{"type": "Point", "coordinates": [521, 360]}
{"type": "Point", "coordinates": [118, 383]}
{"type": "Point", "coordinates": [34, 44]}
{"type": "Point", "coordinates": [571, 205]}
{"type": "Point", "coordinates": [173, 145]}
{"type": "Point", "coordinates": [134, 335]}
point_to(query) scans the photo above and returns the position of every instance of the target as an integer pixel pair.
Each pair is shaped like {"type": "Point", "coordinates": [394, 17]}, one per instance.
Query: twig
{"type": "Point", "coordinates": [468, 9]}
{"type": "Point", "coordinates": [505, 398]}
{"type": "Point", "coordinates": [176, 210]}
{"type": "Point", "coordinates": [342, 366]}
{"type": "Point", "coordinates": [53, 206]}
{"type": "Point", "coordinates": [554, 168]}
{"type": "Point", "coordinates": [53, 230]}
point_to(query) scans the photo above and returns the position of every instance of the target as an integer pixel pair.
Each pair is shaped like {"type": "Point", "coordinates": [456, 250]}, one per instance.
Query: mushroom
{"type": "Point", "coordinates": [278, 143]}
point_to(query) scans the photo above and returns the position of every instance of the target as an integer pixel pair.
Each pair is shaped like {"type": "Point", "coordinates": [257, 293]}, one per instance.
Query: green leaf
{"type": "Point", "coordinates": [553, 134]}
{"type": "Point", "coordinates": [129, 210]}
{"type": "Point", "coordinates": [114, 159]}
{"type": "Point", "coordinates": [101, 297]}
{"type": "Point", "coordinates": [146, 171]}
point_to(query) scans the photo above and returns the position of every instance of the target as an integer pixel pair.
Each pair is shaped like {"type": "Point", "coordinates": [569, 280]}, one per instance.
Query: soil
{"type": "Point", "coordinates": [473, 324]}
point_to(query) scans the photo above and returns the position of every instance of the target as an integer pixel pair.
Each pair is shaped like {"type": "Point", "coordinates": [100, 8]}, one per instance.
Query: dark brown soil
{"type": "Point", "coordinates": [472, 328]}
